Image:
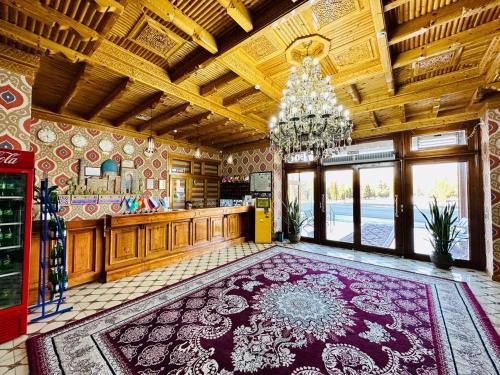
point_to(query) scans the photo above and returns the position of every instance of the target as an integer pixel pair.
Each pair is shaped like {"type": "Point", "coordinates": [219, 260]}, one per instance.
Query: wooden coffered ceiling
{"type": "Point", "coordinates": [210, 72]}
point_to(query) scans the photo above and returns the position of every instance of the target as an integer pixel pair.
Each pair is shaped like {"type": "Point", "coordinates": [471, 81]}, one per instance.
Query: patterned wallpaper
{"type": "Point", "coordinates": [61, 161]}
{"type": "Point", "coordinates": [260, 160]}
{"type": "Point", "coordinates": [15, 110]}
{"type": "Point", "coordinates": [491, 177]}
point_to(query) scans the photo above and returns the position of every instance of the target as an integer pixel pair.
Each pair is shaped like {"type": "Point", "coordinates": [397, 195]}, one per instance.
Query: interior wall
{"type": "Point", "coordinates": [15, 110]}
{"type": "Point", "coordinates": [259, 160]}
{"type": "Point", "coordinates": [60, 161]}
{"type": "Point", "coordinates": [490, 139]}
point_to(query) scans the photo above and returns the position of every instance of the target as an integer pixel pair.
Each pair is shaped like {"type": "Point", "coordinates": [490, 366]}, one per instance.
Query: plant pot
{"type": "Point", "coordinates": [442, 260]}
{"type": "Point", "coordinates": [294, 237]}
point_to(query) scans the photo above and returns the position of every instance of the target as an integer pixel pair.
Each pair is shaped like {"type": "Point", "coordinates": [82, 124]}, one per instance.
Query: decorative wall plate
{"type": "Point", "coordinates": [79, 141]}
{"type": "Point", "coordinates": [47, 135]}
{"type": "Point", "coordinates": [129, 149]}
{"type": "Point", "coordinates": [147, 154]}
{"type": "Point", "coordinates": [106, 145]}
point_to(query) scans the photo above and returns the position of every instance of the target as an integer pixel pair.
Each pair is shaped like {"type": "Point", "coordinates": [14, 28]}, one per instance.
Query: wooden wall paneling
{"type": "Point", "coordinates": [157, 238]}
{"type": "Point", "coordinates": [201, 229]}
{"type": "Point", "coordinates": [233, 226]}
{"type": "Point", "coordinates": [182, 235]}
{"type": "Point", "coordinates": [126, 247]}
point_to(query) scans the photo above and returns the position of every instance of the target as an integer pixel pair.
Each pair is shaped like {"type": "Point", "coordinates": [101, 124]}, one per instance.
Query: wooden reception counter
{"type": "Point", "coordinates": [118, 246]}
{"type": "Point", "coordinates": [136, 243]}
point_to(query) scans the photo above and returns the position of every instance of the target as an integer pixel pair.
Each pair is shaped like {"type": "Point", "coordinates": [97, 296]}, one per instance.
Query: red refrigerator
{"type": "Point", "coordinates": [16, 193]}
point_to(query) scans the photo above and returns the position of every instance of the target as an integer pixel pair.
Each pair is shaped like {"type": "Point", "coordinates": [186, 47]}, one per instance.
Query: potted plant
{"type": "Point", "coordinates": [294, 221]}
{"type": "Point", "coordinates": [442, 227]}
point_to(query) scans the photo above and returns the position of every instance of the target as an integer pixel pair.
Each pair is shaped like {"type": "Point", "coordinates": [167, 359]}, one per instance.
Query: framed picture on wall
{"type": "Point", "coordinates": [128, 163]}
{"type": "Point", "coordinates": [92, 172]}
{"type": "Point", "coordinates": [162, 184]}
{"type": "Point", "coordinates": [150, 183]}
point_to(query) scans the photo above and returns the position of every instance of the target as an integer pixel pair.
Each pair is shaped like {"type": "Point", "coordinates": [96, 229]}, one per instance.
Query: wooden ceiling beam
{"type": "Point", "coordinates": [237, 141]}
{"type": "Point", "coordinates": [436, 105]}
{"type": "Point", "coordinates": [117, 93]}
{"type": "Point", "coordinates": [235, 135]}
{"type": "Point", "coordinates": [383, 44]}
{"type": "Point", "coordinates": [476, 35]}
{"type": "Point", "coordinates": [202, 132]}
{"type": "Point", "coordinates": [367, 130]}
{"type": "Point", "coordinates": [265, 16]}
{"type": "Point", "coordinates": [196, 120]}
{"type": "Point", "coordinates": [38, 42]}
{"type": "Point", "coordinates": [105, 6]}
{"type": "Point", "coordinates": [247, 146]}
{"type": "Point", "coordinates": [79, 80]}
{"type": "Point", "coordinates": [395, 4]}
{"type": "Point", "coordinates": [455, 82]}
{"type": "Point", "coordinates": [353, 91]}
{"type": "Point", "coordinates": [51, 17]}
{"type": "Point", "coordinates": [235, 98]}
{"type": "Point", "coordinates": [161, 118]}
{"type": "Point", "coordinates": [421, 25]}
{"type": "Point", "coordinates": [374, 119]}
{"type": "Point", "coordinates": [124, 62]}
{"type": "Point", "coordinates": [238, 12]}
{"type": "Point", "coordinates": [170, 13]}
{"type": "Point", "coordinates": [402, 113]}
{"type": "Point", "coordinates": [212, 87]}
{"type": "Point", "coordinates": [149, 103]}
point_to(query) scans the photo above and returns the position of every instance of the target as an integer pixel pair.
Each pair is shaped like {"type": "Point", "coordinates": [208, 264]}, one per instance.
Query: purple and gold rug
{"type": "Point", "coordinates": [283, 311]}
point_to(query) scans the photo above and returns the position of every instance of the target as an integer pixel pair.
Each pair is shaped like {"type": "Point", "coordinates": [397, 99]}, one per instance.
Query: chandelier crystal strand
{"type": "Point", "coordinates": [310, 121]}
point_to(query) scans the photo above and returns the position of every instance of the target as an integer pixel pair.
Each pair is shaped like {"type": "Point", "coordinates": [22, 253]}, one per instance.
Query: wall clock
{"type": "Point", "coordinates": [47, 135]}
{"type": "Point", "coordinates": [106, 145]}
{"type": "Point", "coordinates": [128, 148]}
{"type": "Point", "coordinates": [79, 141]}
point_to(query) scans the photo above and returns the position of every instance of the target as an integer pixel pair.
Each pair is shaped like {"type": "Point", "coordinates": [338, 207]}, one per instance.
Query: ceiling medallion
{"type": "Point", "coordinates": [310, 120]}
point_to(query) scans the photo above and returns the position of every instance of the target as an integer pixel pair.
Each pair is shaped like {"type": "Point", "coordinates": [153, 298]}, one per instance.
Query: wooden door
{"type": "Point", "coordinates": [125, 247]}
{"type": "Point", "coordinates": [201, 227]}
{"type": "Point", "coordinates": [181, 235]}
{"type": "Point", "coordinates": [233, 226]}
{"type": "Point", "coordinates": [217, 228]}
{"type": "Point", "coordinates": [157, 240]}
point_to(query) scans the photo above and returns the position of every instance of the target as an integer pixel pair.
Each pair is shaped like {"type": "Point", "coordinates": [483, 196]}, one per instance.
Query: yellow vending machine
{"type": "Point", "coordinates": [263, 220]}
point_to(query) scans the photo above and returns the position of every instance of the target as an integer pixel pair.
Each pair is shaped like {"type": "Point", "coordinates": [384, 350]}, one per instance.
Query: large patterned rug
{"type": "Point", "coordinates": [283, 311]}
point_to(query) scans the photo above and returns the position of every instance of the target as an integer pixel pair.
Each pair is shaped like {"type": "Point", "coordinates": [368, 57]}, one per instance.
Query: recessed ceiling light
{"type": "Point", "coordinates": [175, 130]}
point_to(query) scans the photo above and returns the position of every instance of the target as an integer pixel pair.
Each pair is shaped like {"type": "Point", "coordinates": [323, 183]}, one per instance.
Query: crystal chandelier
{"type": "Point", "coordinates": [310, 121]}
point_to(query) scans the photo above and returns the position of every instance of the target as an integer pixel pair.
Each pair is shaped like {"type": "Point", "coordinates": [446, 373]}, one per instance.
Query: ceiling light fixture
{"type": "Point", "coordinates": [197, 153]}
{"type": "Point", "coordinates": [151, 147]}
{"type": "Point", "coordinates": [310, 120]}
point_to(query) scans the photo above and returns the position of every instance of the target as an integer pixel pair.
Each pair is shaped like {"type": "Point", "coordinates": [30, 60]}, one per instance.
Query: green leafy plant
{"type": "Point", "coordinates": [293, 216]}
{"type": "Point", "coordinates": [441, 224]}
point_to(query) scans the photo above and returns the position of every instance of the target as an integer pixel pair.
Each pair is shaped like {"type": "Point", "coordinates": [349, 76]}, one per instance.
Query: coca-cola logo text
{"type": "Point", "coordinates": [7, 157]}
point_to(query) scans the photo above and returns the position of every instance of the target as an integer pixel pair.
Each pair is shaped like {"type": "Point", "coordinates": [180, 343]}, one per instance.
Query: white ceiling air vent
{"type": "Point", "coordinates": [354, 158]}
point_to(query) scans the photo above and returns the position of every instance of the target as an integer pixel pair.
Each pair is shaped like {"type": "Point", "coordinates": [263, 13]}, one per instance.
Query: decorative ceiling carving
{"type": "Point", "coordinates": [444, 60]}
{"type": "Point", "coordinates": [153, 36]}
{"type": "Point", "coordinates": [260, 48]}
{"type": "Point", "coordinates": [327, 11]}
{"type": "Point", "coordinates": [353, 54]}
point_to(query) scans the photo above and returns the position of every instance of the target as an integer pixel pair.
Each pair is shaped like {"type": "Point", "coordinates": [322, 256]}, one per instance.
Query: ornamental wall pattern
{"type": "Point", "coordinates": [60, 161]}
{"type": "Point", "coordinates": [491, 180]}
{"type": "Point", "coordinates": [260, 160]}
{"type": "Point", "coordinates": [15, 110]}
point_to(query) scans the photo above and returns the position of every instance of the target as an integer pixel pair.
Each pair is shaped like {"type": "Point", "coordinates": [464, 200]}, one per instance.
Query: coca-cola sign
{"type": "Point", "coordinates": [16, 159]}
{"type": "Point", "coordinates": [9, 157]}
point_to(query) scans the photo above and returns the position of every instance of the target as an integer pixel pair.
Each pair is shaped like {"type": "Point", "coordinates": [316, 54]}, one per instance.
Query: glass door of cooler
{"type": "Point", "coordinates": [12, 224]}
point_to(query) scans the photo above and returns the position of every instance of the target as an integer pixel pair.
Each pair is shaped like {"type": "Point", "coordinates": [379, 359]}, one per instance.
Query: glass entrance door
{"type": "Point", "coordinates": [301, 187]}
{"type": "Point", "coordinates": [361, 206]}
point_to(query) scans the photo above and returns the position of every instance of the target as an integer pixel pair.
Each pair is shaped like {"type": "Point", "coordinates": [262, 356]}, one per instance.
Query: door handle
{"type": "Point", "coordinates": [396, 206]}
{"type": "Point", "coordinates": [323, 203]}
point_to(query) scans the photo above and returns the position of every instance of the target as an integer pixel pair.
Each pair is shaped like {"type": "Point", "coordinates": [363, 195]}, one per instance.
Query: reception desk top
{"type": "Point", "coordinates": [156, 217]}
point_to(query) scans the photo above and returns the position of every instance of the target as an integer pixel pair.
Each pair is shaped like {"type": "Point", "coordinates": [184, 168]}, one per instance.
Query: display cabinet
{"type": "Point", "coordinates": [16, 191]}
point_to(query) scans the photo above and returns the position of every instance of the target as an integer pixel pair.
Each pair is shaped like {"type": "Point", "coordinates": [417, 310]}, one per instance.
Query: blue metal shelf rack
{"type": "Point", "coordinates": [48, 211]}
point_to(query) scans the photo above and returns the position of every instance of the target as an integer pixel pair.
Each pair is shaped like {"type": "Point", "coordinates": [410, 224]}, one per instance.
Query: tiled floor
{"type": "Point", "coordinates": [91, 298]}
